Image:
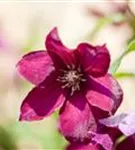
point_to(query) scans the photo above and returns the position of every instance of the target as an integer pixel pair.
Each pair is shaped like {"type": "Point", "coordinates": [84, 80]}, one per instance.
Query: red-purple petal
{"type": "Point", "coordinates": [42, 101]}
{"type": "Point", "coordinates": [94, 59]}
{"type": "Point", "coordinates": [104, 93]}
{"type": "Point", "coordinates": [79, 146]}
{"type": "Point", "coordinates": [35, 66]}
{"type": "Point", "coordinates": [58, 52]}
{"type": "Point", "coordinates": [76, 118]}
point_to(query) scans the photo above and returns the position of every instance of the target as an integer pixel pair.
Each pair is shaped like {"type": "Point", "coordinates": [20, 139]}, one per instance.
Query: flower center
{"type": "Point", "coordinates": [71, 79]}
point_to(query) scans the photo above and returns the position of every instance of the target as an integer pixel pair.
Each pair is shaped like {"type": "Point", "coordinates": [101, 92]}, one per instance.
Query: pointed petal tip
{"type": "Point", "coordinates": [54, 29]}
{"type": "Point", "coordinates": [104, 45]}
{"type": "Point", "coordinates": [60, 54]}
{"type": "Point", "coordinates": [21, 119]}
{"type": "Point", "coordinates": [53, 34]}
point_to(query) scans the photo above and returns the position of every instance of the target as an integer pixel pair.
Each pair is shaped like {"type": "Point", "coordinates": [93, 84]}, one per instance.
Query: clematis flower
{"type": "Point", "coordinates": [74, 80]}
{"type": "Point", "coordinates": [118, 133]}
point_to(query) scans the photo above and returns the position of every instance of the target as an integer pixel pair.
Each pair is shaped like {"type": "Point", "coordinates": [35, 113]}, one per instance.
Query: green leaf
{"type": "Point", "coordinates": [130, 48]}
{"type": "Point", "coordinates": [99, 25]}
{"type": "Point", "coordinates": [124, 75]}
{"type": "Point", "coordinates": [120, 140]}
{"type": "Point", "coordinates": [115, 66]}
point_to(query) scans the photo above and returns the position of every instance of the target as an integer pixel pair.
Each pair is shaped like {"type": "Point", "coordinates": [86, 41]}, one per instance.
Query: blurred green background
{"type": "Point", "coordinates": [23, 27]}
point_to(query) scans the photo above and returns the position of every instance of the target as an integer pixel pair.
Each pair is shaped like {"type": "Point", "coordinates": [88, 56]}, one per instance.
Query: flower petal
{"type": "Point", "coordinates": [113, 121]}
{"type": "Point", "coordinates": [58, 52]}
{"type": "Point", "coordinates": [124, 122]}
{"type": "Point", "coordinates": [95, 60]}
{"type": "Point", "coordinates": [79, 146]}
{"type": "Point", "coordinates": [104, 92]}
{"type": "Point", "coordinates": [35, 66]}
{"type": "Point", "coordinates": [104, 140]}
{"type": "Point", "coordinates": [76, 118]}
{"type": "Point", "coordinates": [42, 101]}
{"type": "Point", "coordinates": [127, 125]}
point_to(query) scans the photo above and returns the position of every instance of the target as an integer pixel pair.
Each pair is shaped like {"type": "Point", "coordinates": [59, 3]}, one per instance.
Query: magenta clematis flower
{"type": "Point", "coordinates": [74, 80]}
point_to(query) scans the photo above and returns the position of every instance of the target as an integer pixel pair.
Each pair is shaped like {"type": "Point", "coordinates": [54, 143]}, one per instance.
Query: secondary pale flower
{"type": "Point", "coordinates": [115, 128]}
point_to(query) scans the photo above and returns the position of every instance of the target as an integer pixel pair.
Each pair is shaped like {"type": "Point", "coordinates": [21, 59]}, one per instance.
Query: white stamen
{"type": "Point", "coordinates": [71, 78]}
{"type": "Point", "coordinates": [79, 69]}
{"type": "Point", "coordinates": [73, 66]}
{"type": "Point", "coordinates": [69, 67]}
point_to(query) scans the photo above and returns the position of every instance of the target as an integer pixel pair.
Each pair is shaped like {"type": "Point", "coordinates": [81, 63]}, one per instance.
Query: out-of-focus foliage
{"type": "Point", "coordinates": [104, 22]}
{"type": "Point", "coordinates": [130, 48]}
{"type": "Point", "coordinates": [7, 140]}
{"type": "Point", "coordinates": [33, 35]}
{"type": "Point", "coordinates": [124, 75]}
{"type": "Point", "coordinates": [36, 131]}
